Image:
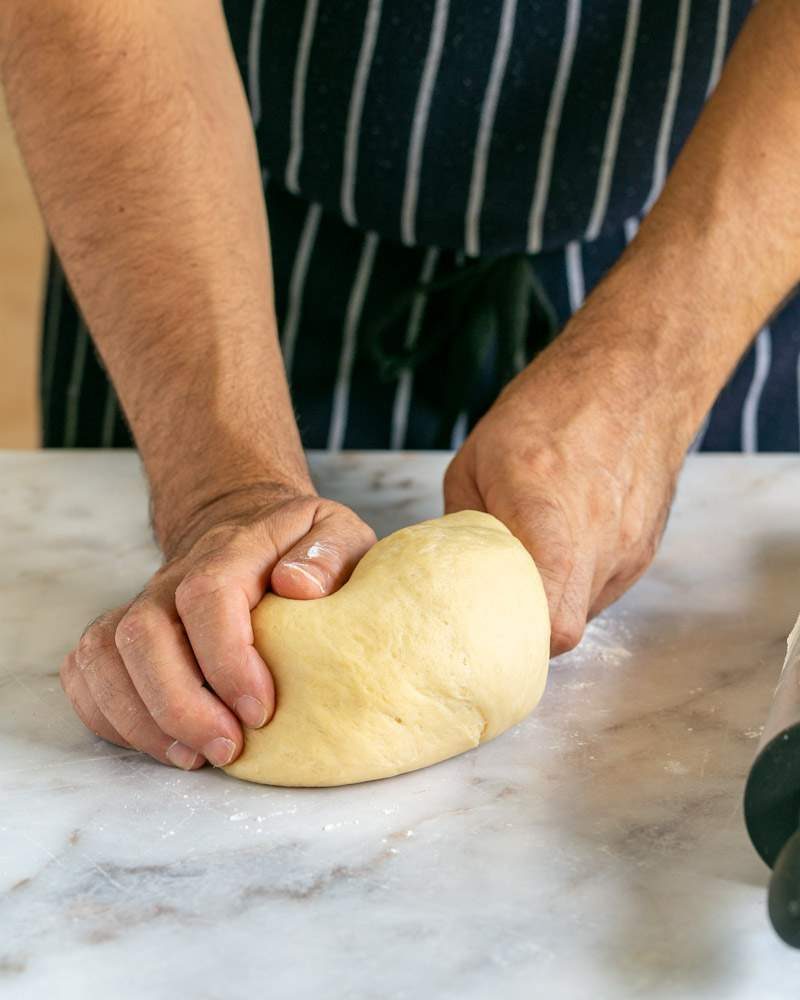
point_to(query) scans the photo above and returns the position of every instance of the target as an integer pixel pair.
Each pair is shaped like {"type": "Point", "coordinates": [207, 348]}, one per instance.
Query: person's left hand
{"type": "Point", "coordinates": [579, 458]}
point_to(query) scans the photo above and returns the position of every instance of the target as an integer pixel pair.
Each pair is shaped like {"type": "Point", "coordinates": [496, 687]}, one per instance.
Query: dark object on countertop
{"type": "Point", "coordinates": [772, 798]}
{"type": "Point", "coordinates": [784, 892]}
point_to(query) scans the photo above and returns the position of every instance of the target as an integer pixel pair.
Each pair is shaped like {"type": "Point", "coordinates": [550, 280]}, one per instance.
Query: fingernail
{"type": "Point", "coordinates": [308, 573]}
{"type": "Point", "coordinates": [220, 751]}
{"type": "Point", "coordinates": [250, 711]}
{"type": "Point", "coordinates": [181, 756]}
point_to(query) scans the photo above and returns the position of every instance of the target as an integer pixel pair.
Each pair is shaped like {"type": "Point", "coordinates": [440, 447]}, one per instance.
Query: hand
{"type": "Point", "coordinates": [579, 457]}
{"type": "Point", "coordinates": [175, 672]}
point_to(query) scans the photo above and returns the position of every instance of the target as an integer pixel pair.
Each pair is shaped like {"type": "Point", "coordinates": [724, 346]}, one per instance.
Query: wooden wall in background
{"type": "Point", "coordinates": [22, 252]}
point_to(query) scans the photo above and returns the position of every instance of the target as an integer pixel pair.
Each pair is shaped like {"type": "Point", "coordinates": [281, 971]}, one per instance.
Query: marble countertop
{"type": "Point", "coordinates": [596, 850]}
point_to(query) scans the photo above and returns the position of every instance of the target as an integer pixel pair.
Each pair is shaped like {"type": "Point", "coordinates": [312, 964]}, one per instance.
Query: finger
{"type": "Point", "coordinates": [113, 693]}
{"type": "Point", "coordinates": [324, 559]}
{"type": "Point", "coordinates": [77, 691]}
{"type": "Point", "coordinates": [565, 564]}
{"type": "Point", "coordinates": [215, 610]}
{"type": "Point", "coordinates": [214, 601]}
{"type": "Point", "coordinates": [249, 558]}
{"type": "Point", "coordinates": [162, 669]}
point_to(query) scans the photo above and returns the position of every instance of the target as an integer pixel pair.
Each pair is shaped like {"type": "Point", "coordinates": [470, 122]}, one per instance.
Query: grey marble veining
{"type": "Point", "coordinates": [596, 850]}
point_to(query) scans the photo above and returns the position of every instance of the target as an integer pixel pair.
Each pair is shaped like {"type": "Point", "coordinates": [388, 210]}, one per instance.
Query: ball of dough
{"type": "Point", "coordinates": [439, 641]}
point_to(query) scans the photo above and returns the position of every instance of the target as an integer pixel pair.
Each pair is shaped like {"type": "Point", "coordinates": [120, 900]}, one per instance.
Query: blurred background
{"type": "Point", "coordinates": [22, 256]}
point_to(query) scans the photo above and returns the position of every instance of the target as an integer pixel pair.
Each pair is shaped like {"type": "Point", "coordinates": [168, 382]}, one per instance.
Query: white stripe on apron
{"type": "Point", "coordinates": [420, 122]}
{"type": "Point", "coordinates": [557, 95]}
{"type": "Point", "coordinates": [350, 163]}
{"type": "Point", "coordinates": [109, 417]}
{"type": "Point", "coordinates": [631, 228]}
{"type": "Point", "coordinates": [573, 264]}
{"type": "Point", "coordinates": [73, 403]}
{"type": "Point", "coordinates": [299, 97]}
{"type": "Point", "coordinates": [611, 145]}
{"type": "Point", "coordinates": [720, 45]}
{"type": "Point", "coordinates": [254, 61]}
{"type": "Point", "coordinates": [405, 381]}
{"type": "Point", "coordinates": [459, 434]}
{"type": "Point", "coordinates": [51, 330]}
{"type": "Point", "coordinates": [763, 361]}
{"type": "Point", "coordinates": [798, 393]}
{"type": "Point", "coordinates": [305, 248]}
{"type": "Point", "coordinates": [697, 444]}
{"type": "Point", "coordinates": [355, 305]}
{"type": "Point", "coordinates": [480, 158]}
{"type": "Point", "coordinates": [670, 103]}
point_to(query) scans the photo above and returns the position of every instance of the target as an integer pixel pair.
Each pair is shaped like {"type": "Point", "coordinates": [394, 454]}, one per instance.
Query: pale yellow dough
{"type": "Point", "coordinates": [438, 642]}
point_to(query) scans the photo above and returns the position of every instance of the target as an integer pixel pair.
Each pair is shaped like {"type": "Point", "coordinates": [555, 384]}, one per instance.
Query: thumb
{"type": "Point", "coordinates": [323, 559]}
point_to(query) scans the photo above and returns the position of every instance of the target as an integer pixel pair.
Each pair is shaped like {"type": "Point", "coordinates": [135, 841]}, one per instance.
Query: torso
{"type": "Point", "coordinates": [479, 126]}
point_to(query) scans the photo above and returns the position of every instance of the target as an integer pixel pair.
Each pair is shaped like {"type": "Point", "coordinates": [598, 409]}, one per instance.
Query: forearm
{"type": "Point", "coordinates": [721, 248]}
{"type": "Point", "coordinates": [136, 134]}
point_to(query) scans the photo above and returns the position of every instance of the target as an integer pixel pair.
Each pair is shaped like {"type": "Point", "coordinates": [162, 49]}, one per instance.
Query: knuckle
{"type": "Point", "coordinates": [368, 534]}
{"type": "Point", "coordinates": [218, 538]}
{"type": "Point", "coordinates": [308, 503]}
{"type": "Point", "coordinates": [543, 461]}
{"type": "Point", "coordinates": [198, 588]}
{"type": "Point", "coordinates": [333, 509]}
{"type": "Point", "coordinates": [305, 509]}
{"type": "Point", "coordinates": [132, 630]}
{"type": "Point", "coordinates": [362, 530]}
{"type": "Point", "coordinates": [344, 518]}
{"type": "Point", "coordinates": [94, 643]}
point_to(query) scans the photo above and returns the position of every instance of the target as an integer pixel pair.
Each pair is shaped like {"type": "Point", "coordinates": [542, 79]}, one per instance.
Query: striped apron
{"type": "Point", "coordinates": [401, 143]}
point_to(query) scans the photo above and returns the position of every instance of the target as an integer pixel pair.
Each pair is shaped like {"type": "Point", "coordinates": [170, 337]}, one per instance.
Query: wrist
{"type": "Point", "coordinates": [656, 341]}
{"type": "Point", "coordinates": [181, 515]}
{"type": "Point", "coordinates": [176, 535]}
{"type": "Point", "coordinates": [212, 469]}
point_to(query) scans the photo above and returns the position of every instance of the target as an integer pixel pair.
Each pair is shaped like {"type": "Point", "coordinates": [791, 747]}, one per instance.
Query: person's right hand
{"type": "Point", "coordinates": [175, 672]}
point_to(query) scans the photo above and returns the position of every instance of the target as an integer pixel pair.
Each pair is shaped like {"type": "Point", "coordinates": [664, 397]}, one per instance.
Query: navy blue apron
{"type": "Point", "coordinates": [424, 164]}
